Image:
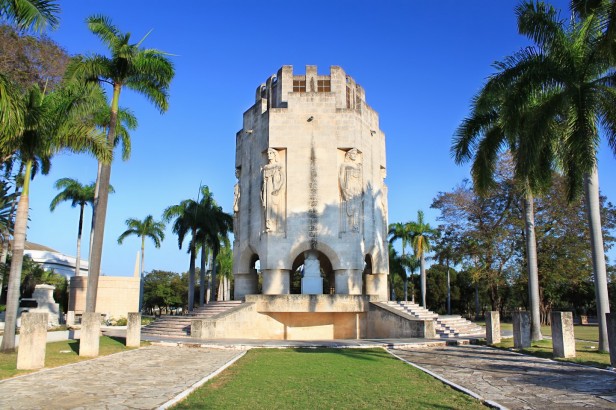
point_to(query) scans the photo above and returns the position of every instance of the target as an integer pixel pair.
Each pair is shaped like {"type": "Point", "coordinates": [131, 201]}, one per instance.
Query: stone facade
{"type": "Point", "coordinates": [310, 168]}
{"type": "Point", "coordinates": [116, 296]}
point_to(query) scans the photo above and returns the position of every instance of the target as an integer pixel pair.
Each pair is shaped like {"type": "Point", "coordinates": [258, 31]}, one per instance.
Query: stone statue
{"type": "Point", "coordinates": [236, 202]}
{"type": "Point", "coordinates": [350, 179]}
{"type": "Point", "coordinates": [272, 193]}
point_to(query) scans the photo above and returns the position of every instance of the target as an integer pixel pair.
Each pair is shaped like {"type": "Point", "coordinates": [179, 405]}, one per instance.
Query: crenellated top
{"type": "Point", "coordinates": [275, 91]}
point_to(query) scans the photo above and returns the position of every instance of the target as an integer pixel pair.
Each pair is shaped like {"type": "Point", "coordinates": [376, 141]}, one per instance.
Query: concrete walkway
{"type": "Point", "coordinates": [145, 378]}
{"type": "Point", "coordinates": [517, 381]}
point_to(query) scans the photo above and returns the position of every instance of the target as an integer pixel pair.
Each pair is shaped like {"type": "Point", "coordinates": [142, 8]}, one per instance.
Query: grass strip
{"type": "Point", "coordinates": [59, 354]}
{"type": "Point", "coordinates": [324, 379]}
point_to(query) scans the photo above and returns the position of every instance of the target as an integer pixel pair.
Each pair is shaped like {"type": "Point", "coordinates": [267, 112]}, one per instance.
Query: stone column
{"type": "Point", "coordinates": [376, 284]}
{"type": "Point", "coordinates": [90, 334]}
{"type": "Point", "coordinates": [493, 334]}
{"type": "Point", "coordinates": [348, 281]}
{"type": "Point", "coordinates": [521, 330]}
{"type": "Point", "coordinates": [32, 341]}
{"type": "Point", "coordinates": [611, 336]}
{"type": "Point", "coordinates": [133, 330]}
{"type": "Point", "coordinates": [276, 282]}
{"type": "Point", "coordinates": [70, 318]}
{"type": "Point", "coordinates": [245, 284]}
{"type": "Point", "coordinates": [563, 340]}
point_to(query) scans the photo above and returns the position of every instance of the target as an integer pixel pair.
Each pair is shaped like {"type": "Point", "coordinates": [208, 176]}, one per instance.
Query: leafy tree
{"type": "Point", "coordinates": [52, 122]}
{"type": "Point", "coordinates": [148, 228]}
{"type": "Point", "coordinates": [160, 290]}
{"type": "Point", "coordinates": [422, 237]}
{"type": "Point", "coordinates": [146, 71]}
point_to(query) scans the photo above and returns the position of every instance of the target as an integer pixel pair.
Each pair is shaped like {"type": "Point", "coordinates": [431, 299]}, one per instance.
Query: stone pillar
{"type": "Point", "coordinates": [611, 336]}
{"type": "Point", "coordinates": [521, 330]}
{"type": "Point", "coordinates": [32, 341]}
{"type": "Point", "coordinates": [133, 330]}
{"type": "Point", "coordinates": [376, 284]}
{"type": "Point", "coordinates": [70, 318]}
{"type": "Point", "coordinates": [348, 281]}
{"type": "Point", "coordinates": [245, 284]}
{"type": "Point", "coordinates": [493, 334]}
{"type": "Point", "coordinates": [276, 282]}
{"type": "Point", "coordinates": [563, 340]}
{"type": "Point", "coordinates": [90, 334]}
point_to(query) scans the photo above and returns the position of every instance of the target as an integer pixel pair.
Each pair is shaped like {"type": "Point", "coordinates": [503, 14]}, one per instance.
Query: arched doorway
{"type": "Point", "coordinates": [327, 273]}
{"type": "Point", "coordinates": [255, 273]}
{"type": "Point", "coordinates": [365, 274]}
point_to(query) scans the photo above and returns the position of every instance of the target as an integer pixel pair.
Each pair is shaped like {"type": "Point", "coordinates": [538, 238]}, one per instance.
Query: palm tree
{"type": "Point", "coordinates": [52, 122]}
{"type": "Point", "coordinates": [33, 14]}
{"type": "Point", "coordinates": [422, 234]}
{"type": "Point", "coordinates": [80, 195]}
{"type": "Point", "coordinates": [146, 71]}
{"type": "Point", "coordinates": [148, 228]}
{"type": "Point", "coordinates": [403, 232]}
{"type": "Point", "coordinates": [412, 264]}
{"type": "Point", "coordinates": [573, 71]}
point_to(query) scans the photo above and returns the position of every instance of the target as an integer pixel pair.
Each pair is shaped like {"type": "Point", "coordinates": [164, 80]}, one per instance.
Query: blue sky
{"type": "Point", "coordinates": [420, 63]}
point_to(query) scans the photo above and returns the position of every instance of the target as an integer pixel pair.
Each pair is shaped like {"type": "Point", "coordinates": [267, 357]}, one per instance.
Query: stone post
{"type": "Point", "coordinates": [611, 336]}
{"type": "Point", "coordinates": [348, 281]}
{"type": "Point", "coordinates": [521, 330]}
{"type": "Point", "coordinates": [276, 282]}
{"type": "Point", "coordinates": [493, 334]}
{"type": "Point", "coordinates": [563, 340]}
{"type": "Point", "coordinates": [133, 330]}
{"type": "Point", "coordinates": [32, 341]}
{"type": "Point", "coordinates": [90, 334]}
{"type": "Point", "coordinates": [70, 318]}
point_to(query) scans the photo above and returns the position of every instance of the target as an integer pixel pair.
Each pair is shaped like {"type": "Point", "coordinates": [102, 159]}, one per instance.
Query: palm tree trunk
{"type": "Point", "coordinates": [392, 296]}
{"type": "Point", "coordinates": [531, 262]}
{"type": "Point", "coordinates": [5, 244]}
{"type": "Point", "coordinates": [591, 185]}
{"type": "Point", "coordinates": [98, 178]}
{"type": "Point", "coordinates": [214, 287]}
{"type": "Point", "coordinates": [477, 312]}
{"type": "Point", "coordinates": [142, 273]}
{"type": "Point", "coordinates": [100, 206]}
{"type": "Point", "coordinates": [448, 290]}
{"type": "Point", "coordinates": [406, 287]}
{"type": "Point", "coordinates": [422, 270]}
{"type": "Point", "coordinates": [79, 230]}
{"type": "Point", "coordinates": [19, 242]}
{"type": "Point", "coordinates": [202, 284]}
{"type": "Point", "coordinates": [191, 277]}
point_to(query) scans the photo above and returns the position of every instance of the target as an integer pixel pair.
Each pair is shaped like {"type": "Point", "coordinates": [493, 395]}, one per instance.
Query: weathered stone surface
{"type": "Point", "coordinates": [90, 334]}
{"type": "Point", "coordinates": [521, 330]}
{"type": "Point", "coordinates": [133, 330]}
{"type": "Point", "coordinates": [563, 339]}
{"type": "Point", "coordinates": [32, 340]}
{"type": "Point", "coordinates": [493, 334]}
{"type": "Point", "coordinates": [611, 335]}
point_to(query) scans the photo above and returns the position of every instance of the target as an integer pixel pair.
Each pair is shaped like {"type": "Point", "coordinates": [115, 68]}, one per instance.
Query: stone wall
{"type": "Point", "coordinates": [116, 295]}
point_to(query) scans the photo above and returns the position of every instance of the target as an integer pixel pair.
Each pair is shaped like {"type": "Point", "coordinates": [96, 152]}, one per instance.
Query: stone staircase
{"type": "Point", "coordinates": [179, 326]}
{"type": "Point", "coordinates": [445, 326]}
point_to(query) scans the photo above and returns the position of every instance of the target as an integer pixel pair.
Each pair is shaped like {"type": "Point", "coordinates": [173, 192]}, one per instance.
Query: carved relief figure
{"type": "Point", "coordinates": [350, 179]}
{"type": "Point", "coordinates": [236, 202]}
{"type": "Point", "coordinates": [272, 193]}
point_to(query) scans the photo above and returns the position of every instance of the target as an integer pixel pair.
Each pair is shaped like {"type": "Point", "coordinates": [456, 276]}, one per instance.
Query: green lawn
{"type": "Point", "coordinates": [324, 379]}
{"type": "Point", "coordinates": [586, 352]}
{"type": "Point", "coordinates": [60, 353]}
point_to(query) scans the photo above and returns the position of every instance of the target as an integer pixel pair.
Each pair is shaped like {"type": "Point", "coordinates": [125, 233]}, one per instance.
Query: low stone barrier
{"type": "Point", "coordinates": [493, 334]}
{"type": "Point", "coordinates": [133, 330]}
{"type": "Point", "coordinates": [90, 334]}
{"type": "Point", "coordinates": [33, 332]}
{"type": "Point", "coordinates": [563, 339]}
{"type": "Point", "coordinates": [521, 330]}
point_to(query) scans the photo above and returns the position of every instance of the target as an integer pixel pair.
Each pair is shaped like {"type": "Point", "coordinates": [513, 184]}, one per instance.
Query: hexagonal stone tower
{"type": "Point", "coordinates": [310, 209]}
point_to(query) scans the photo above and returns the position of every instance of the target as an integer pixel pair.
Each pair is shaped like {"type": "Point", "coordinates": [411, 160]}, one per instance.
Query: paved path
{"type": "Point", "coordinates": [138, 379]}
{"type": "Point", "coordinates": [517, 381]}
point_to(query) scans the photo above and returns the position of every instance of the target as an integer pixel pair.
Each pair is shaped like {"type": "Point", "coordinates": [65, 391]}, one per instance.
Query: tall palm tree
{"type": "Point", "coordinates": [77, 194]}
{"type": "Point", "coordinates": [34, 14]}
{"type": "Point", "coordinates": [146, 71]}
{"type": "Point", "coordinates": [52, 122]}
{"type": "Point", "coordinates": [422, 235]}
{"type": "Point", "coordinates": [411, 264]}
{"type": "Point", "coordinates": [573, 71]}
{"type": "Point", "coordinates": [401, 231]}
{"type": "Point", "coordinates": [148, 228]}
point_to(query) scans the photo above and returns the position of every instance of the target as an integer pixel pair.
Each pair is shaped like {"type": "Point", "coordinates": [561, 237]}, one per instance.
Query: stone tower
{"type": "Point", "coordinates": [310, 200]}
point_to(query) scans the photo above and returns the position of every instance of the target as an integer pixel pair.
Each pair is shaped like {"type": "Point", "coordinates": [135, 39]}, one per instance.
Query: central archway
{"type": "Point", "coordinates": [327, 273]}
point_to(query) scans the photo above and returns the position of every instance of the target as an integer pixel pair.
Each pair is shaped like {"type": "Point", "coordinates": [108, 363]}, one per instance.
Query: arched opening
{"type": "Point", "coordinates": [255, 273]}
{"type": "Point", "coordinates": [327, 273]}
{"type": "Point", "coordinates": [365, 274]}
